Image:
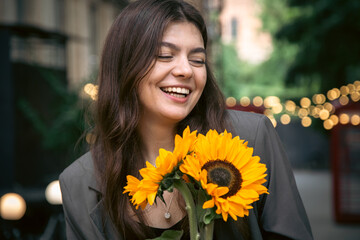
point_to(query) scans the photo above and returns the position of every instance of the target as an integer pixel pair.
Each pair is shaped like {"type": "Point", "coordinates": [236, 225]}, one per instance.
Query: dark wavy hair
{"type": "Point", "coordinates": [130, 48]}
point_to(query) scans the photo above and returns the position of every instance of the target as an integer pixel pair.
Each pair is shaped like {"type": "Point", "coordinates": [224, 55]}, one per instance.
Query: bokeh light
{"type": "Point", "coordinates": [344, 90]}
{"type": "Point", "coordinates": [306, 122]}
{"type": "Point", "coordinates": [328, 124]}
{"type": "Point", "coordinates": [258, 101]}
{"type": "Point", "coordinates": [290, 106]}
{"type": "Point", "coordinates": [277, 108]}
{"type": "Point", "coordinates": [302, 112]}
{"type": "Point", "coordinates": [305, 102]}
{"type": "Point", "coordinates": [329, 107]}
{"type": "Point", "coordinates": [285, 119]}
{"type": "Point", "coordinates": [344, 118]}
{"type": "Point", "coordinates": [319, 98]}
{"type": "Point", "coordinates": [244, 101]}
{"type": "Point", "coordinates": [344, 100]}
{"type": "Point", "coordinates": [324, 114]}
{"type": "Point", "coordinates": [334, 119]}
{"type": "Point", "coordinates": [230, 102]}
{"type": "Point", "coordinates": [271, 101]}
{"type": "Point", "coordinates": [355, 96]}
{"type": "Point", "coordinates": [355, 119]}
{"type": "Point", "coordinates": [12, 206]}
{"type": "Point", "coordinates": [53, 193]}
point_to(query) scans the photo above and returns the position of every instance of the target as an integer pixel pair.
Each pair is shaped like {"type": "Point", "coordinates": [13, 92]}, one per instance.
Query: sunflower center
{"type": "Point", "coordinates": [224, 174]}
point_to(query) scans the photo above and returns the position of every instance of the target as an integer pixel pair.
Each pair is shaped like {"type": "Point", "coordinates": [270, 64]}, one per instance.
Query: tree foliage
{"type": "Point", "coordinates": [328, 35]}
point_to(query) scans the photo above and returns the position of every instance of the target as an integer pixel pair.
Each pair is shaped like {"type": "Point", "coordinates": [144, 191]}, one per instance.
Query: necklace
{"type": "Point", "coordinates": [167, 214]}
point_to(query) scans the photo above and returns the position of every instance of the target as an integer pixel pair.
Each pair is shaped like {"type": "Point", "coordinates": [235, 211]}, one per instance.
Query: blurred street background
{"type": "Point", "coordinates": [296, 61]}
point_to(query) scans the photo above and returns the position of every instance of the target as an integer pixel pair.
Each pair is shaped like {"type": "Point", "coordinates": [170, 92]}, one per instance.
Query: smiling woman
{"type": "Point", "coordinates": [154, 81]}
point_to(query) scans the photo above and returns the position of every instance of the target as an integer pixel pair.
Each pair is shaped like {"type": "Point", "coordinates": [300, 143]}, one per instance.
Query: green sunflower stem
{"type": "Point", "coordinates": [190, 208]}
{"type": "Point", "coordinates": [208, 231]}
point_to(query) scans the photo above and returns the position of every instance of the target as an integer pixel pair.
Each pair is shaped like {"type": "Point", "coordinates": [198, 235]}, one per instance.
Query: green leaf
{"type": "Point", "coordinates": [210, 215]}
{"type": "Point", "coordinates": [169, 235]}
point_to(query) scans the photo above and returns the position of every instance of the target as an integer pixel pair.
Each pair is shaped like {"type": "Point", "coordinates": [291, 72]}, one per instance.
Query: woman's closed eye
{"type": "Point", "coordinates": [197, 62]}
{"type": "Point", "coordinates": [165, 57]}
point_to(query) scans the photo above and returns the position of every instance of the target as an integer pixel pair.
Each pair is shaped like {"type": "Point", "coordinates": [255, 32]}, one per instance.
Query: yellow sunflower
{"type": "Point", "coordinates": [145, 191]}
{"type": "Point", "coordinates": [228, 172]}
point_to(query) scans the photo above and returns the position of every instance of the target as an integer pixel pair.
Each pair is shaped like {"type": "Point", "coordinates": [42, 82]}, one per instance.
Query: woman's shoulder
{"type": "Point", "coordinates": [246, 125]}
{"type": "Point", "coordinates": [80, 172]}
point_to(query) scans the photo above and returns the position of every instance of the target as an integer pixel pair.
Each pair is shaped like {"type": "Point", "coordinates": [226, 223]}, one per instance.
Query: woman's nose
{"type": "Point", "coordinates": [183, 69]}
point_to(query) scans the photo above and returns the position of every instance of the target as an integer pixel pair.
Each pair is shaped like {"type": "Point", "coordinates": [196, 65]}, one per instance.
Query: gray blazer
{"type": "Point", "coordinates": [278, 215]}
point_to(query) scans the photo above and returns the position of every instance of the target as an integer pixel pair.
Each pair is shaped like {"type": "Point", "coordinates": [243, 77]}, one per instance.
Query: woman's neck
{"type": "Point", "coordinates": [154, 136]}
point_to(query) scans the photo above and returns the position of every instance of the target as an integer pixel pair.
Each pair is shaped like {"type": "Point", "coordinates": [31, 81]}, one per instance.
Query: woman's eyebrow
{"type": "Point", "coordinates": [176, 48]}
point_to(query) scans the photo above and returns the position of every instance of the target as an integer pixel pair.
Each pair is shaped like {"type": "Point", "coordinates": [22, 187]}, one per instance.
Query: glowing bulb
{"type": "Point", "coordinates": [88, 88]}
{"type": "Point", "coordinates": [355, 120]}
{"type": "Point", "coordinates": [53, 193]}
{"type": "Point", "coordinates": [334, 119]}
{"type": "Point", "coordinates": [316, 112]}
{"type": "Point", "coordinates": [355, 96]}
{"type": "Point", "coordinates": [329, 107]}
{"type": "Point", "coordinates": [230, 101]}
{"type": "Point", "coordinates": [290, 106]}
{"type": "Point", "coordinates": [285, 119]}
{"type": "Point", "coordinates": [257, 101]}
{"type": "Point", "coordinates": [245, 101]}
{"type": "Point", "coordinates": [331, 94]}
{"type": "Point", "coordinates": [344, 90]}
{"type": "Point", "coordinates": [12, 206]}
{"type": "Point", "coordinates": [344, 100]}
{"type": "Point", "coordinates": [271, 101]}
{"type": "Point", "coordinates": [305, 102]}
{"type": "Point", "coordinates": [328, 124]}
{"type": "Point", "coordinates": [277, 108]}
{"type": "Point", "coordinates": [351, 88]}
{"type": "Point", "coordinates": [319, 98]}
{"type": "Point", "coordinates": [324, 114]}
{"type": "Point", "coordinates": [344, 118]}
{"type": "Point", "coordinates": [306, 121]}
{"type": "Point", "coordinates": [302, 112]}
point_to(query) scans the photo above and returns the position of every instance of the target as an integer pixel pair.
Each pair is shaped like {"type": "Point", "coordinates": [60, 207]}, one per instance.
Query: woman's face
{"type": "Point", "coordinates": [176, 81]}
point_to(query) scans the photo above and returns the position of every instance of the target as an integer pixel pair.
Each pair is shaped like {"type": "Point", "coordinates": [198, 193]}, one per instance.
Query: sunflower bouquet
{"type": "Point", "coordinates": [216, 174]}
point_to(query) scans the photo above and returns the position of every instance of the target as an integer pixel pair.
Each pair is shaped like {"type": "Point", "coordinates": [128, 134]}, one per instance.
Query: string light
{"type": "Point", "coordinates": [344, 100]}
{"type": "Point", "coordinates": [355, 119]}
{"type": "Point", "coordinates": [244, 101]}
{"type": "Point", "coordinates": [305, 102]}
{"type": "Point", "coordinates": [334, 119]}
{"type": "Point", "coordinates": [285, 119]}
{"type": "Point", "coordinates": [344, 118]}
{"type": "Point", "coordinates": [257, 101]}
{"type": "Point", "coordinates": [230, 101]}
{"type": "Point", "coordinates": [328, 124]}
{"type": "Point", "coordinates": [290, 106]}
{"type": "Point", "coordinates": [306, 121]}
{"type": "Point", "coordinates": [324, 114]}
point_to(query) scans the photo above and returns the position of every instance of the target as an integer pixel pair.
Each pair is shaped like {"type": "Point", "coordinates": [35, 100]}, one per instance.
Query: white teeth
{"type": "Point", "coordinates": [177, 95]}
{"type": "Point", "coordinates": [176, 90]}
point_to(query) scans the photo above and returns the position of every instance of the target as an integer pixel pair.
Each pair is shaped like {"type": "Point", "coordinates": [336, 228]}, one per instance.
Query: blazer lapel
{"type": "Point", "coordinates": [102, 222]}
{"type": "Point", "coordinates": [100, 219]}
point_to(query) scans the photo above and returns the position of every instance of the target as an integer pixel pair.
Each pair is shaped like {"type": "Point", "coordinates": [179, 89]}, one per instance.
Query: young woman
{"type": "Point", "coordinates": [155, 80]}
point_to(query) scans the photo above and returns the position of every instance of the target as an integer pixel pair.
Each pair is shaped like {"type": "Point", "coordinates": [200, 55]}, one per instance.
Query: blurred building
{"type": "Point", "coordinates": [80, 24]}
{"type": "Point", "coordinates": [47, 46]}
{"type": "Point", "coordinates": [241, 26]}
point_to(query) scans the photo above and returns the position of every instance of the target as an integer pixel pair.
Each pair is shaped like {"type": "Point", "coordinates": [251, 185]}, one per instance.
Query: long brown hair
{"type": "Point", "coordinates": [130, 48]}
